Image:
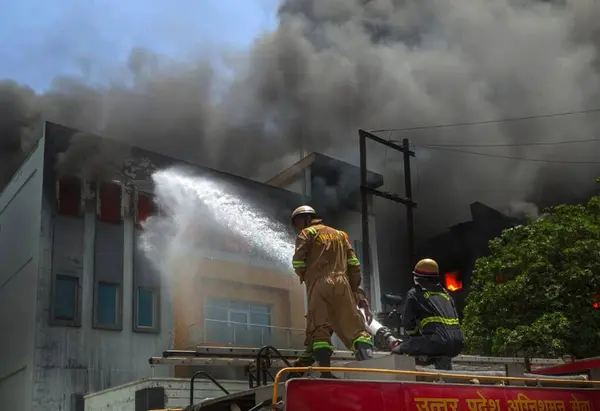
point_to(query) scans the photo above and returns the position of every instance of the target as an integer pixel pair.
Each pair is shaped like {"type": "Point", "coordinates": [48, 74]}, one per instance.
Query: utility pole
{"type": "Point", "coordinates": [366, 190]}
{"type": "Point", "coordinates": [410, 222]}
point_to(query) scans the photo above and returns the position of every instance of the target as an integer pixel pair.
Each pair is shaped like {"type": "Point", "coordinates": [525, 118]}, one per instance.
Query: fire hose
{"type": "Point", "coordinates": [383, 337]}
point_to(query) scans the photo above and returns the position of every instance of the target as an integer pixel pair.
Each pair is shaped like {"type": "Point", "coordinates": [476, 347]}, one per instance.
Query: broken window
{"type": "Point", "coordinates": [109, 203]}
{"type": "Point", "coordinates": [69, 191]}
{"type": "Point", "coordinates": [144, 208]}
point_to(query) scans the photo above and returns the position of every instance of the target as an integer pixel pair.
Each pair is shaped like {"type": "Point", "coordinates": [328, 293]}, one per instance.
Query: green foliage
{"type": "Point", "coordinates": [534, 294]}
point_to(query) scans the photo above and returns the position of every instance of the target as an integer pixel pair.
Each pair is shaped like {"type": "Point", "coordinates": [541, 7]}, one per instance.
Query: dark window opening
{"type": "Point", "coordinates": [145, 208]}
{"type": "Point", "coordinates": [145, 308]}
{"type": "Point", "coordinates": [110, 203]}
{"type": "Point", "coordinates": [107, 309]}
{"type": "Point", "coordinates": [69, 196]}
{"type": "Point", "coordinates": [66, 292]}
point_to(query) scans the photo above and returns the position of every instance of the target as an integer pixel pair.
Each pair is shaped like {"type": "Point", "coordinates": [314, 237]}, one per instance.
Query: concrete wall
{"type": "Point", "coordinates": [20, 205]}
{"type": "Point", "coordinates": [77, 358]}
{"type": "Point", "coordinates": [177, 394]}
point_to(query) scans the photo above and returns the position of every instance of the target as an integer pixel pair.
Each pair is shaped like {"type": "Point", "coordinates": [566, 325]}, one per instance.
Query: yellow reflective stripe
{"type": "Point", "coordinates": [322, 344]}
{"type": "Point", "coordinates": [440, 320]}
{"type": "Point", "coordinates": [412, 332]}
{"type": "Point", "coordinates": [430, 293]}
{"type": "Point", "coordinates": [311, 230]}
{"type": "Point", "coordinates": [362, 339]}
{"type": "Point", "coordinates": [353, 261]}
{"type": "Point", "coordinates": [298, 264]}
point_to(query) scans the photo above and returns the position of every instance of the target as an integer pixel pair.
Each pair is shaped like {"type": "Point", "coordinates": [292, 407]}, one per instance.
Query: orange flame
{"type": "Point", "coordinates": [453, 281]}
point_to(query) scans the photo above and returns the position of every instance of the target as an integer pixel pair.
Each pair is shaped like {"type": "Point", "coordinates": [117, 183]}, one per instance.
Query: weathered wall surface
{"type": "Point", "coordinates": [20, 205]}
{"type": "Point", "coordinates": [177, 393]}
{"type": "Point", "coordinates": [81, 359]}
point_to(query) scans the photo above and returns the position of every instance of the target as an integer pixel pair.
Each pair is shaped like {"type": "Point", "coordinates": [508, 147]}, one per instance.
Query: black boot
{"type": "Point", "coordinates": [305, 360]}
{"type": "Point", "coordinates": [443, 363]}
{"type": "Point", "coordinates": [323, 357]}
{"type": "Point", "coordinates": [363, 352]}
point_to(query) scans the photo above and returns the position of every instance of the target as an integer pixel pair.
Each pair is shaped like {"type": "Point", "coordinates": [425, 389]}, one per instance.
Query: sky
{"type": "Point", "coordinates": [40, 39]}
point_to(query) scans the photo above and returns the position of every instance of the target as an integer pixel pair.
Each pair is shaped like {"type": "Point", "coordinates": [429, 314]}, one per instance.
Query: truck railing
{"type": "Point", "coordinates": [263, 363]}
{"type": "Point", "coordinates": [436, 375]}
{"type": "Point", "coordinates": [209, 377]}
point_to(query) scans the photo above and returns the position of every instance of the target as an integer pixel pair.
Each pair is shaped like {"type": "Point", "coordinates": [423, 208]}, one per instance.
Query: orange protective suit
{"type": "Point", "coordinates": [326, 262]}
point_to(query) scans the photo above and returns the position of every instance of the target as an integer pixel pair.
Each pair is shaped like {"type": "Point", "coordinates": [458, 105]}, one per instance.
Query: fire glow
{"type": "Point", "coordinates": [453, 281]}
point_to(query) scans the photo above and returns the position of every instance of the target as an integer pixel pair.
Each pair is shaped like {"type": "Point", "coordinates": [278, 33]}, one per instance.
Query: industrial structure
{"type": "Point", "coordinates": [457, 249]}
{"type": "Point", "coordinates": [83, 307]}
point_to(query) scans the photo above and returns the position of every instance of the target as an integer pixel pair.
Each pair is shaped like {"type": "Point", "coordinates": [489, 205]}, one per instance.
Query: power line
{"type": "Point", "coordinates": [537, 160]}
{"type": "Point", "coordinates": [502, 120]}
{"type": "Point", "coordinates": [541, 143]}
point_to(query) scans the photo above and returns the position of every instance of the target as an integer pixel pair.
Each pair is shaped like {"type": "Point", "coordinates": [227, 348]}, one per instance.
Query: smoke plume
{"type": "Point", "coordinates": [332, 66]}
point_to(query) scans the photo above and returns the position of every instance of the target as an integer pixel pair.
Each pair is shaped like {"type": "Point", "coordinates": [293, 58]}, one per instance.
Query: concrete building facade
{"type": "Point", "coordinates": [84, 308]}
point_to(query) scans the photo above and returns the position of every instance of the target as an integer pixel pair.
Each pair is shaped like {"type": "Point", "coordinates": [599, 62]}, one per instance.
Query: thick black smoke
{"type": "Point", "coordinates": [332, 66]}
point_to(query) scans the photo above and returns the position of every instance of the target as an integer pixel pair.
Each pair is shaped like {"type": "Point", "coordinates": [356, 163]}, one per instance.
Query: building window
{"type": "Point", "coordinates": [66, 298]}
{"type": "Point", "coordinates": [144, 208]}
{"type": "Point", "coordinates": [238, 322]}
{"type": "Point", "coordinates": [108, 305]}
{"type": "Point", "coordinates": [146, 312]}
{"type": "Point", "coordinates": [109, 203]}
{"type": "Point", "coordinates": [68, 196]}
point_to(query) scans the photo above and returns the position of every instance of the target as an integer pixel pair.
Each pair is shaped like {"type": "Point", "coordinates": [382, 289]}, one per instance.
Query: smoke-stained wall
{"type": "Point", "coordinates": [87, 340]}
{"type": "Point", "coordinates": [20, 207]}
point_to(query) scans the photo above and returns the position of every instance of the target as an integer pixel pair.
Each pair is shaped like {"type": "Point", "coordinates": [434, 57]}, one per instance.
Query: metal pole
{"type": "Point", "coordinates": [410, 224]}
{"type": "Point", "coordinates": [364, 207]}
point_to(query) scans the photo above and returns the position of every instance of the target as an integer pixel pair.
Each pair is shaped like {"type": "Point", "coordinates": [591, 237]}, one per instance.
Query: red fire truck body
{"type": "Point", "coordinates": [348, 395]}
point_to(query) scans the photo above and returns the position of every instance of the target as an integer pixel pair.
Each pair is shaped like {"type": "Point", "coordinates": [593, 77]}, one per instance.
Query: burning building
{"type": "Point", "coordinates": [83, 306]}
{"type": "Point", "coordinates": [457, 249]}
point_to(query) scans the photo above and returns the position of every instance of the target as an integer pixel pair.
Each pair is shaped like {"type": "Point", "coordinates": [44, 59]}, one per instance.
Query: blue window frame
{"type": "Point", "coordinates": [145, 308]}
{"type": "Point", "coordinates": [238, 322]}
{"type": "Point", "coordinates": [107, 305]}
{"type": "Point", "coordinates": [66, 296]}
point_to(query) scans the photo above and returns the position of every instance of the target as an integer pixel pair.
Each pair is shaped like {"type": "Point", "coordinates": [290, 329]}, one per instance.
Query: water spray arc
{"type": "Point", "coordinates": [190, 203]}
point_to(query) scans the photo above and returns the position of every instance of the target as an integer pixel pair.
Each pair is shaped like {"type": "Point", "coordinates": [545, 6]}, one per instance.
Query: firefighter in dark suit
{"type": "Point", "coordinates": [430, 318]}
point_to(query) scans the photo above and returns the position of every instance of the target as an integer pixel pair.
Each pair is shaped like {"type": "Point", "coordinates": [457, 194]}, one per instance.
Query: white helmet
{"type": "Point", "coordinates": [303, 210]}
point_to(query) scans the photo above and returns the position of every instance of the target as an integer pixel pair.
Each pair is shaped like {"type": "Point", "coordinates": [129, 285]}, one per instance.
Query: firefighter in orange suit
{"type": "Point", "coordinates": [326, 262]}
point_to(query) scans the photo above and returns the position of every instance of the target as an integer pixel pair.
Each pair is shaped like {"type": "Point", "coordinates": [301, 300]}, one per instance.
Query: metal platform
{"type": "Point", "coordinates": [242, 356]}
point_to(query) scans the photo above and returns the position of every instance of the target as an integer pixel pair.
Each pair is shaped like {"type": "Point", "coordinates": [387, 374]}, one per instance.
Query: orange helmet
{"type": "Point", "coordinates": [427, 268]}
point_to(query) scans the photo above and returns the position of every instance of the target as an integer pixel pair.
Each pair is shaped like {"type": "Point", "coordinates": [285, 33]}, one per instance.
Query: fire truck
{"type": "Point", "coordinates": [535, 384]}
{"type": "Point", "coordinates": [393, 382]}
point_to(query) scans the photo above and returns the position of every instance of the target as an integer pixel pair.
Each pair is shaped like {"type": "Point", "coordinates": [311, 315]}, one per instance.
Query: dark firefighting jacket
{"type": "Point", "coordinates": [430, 310]}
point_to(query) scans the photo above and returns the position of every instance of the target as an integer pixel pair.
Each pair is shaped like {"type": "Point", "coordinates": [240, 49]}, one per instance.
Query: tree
{"type": "Point", "coordinates": [538, 292]}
